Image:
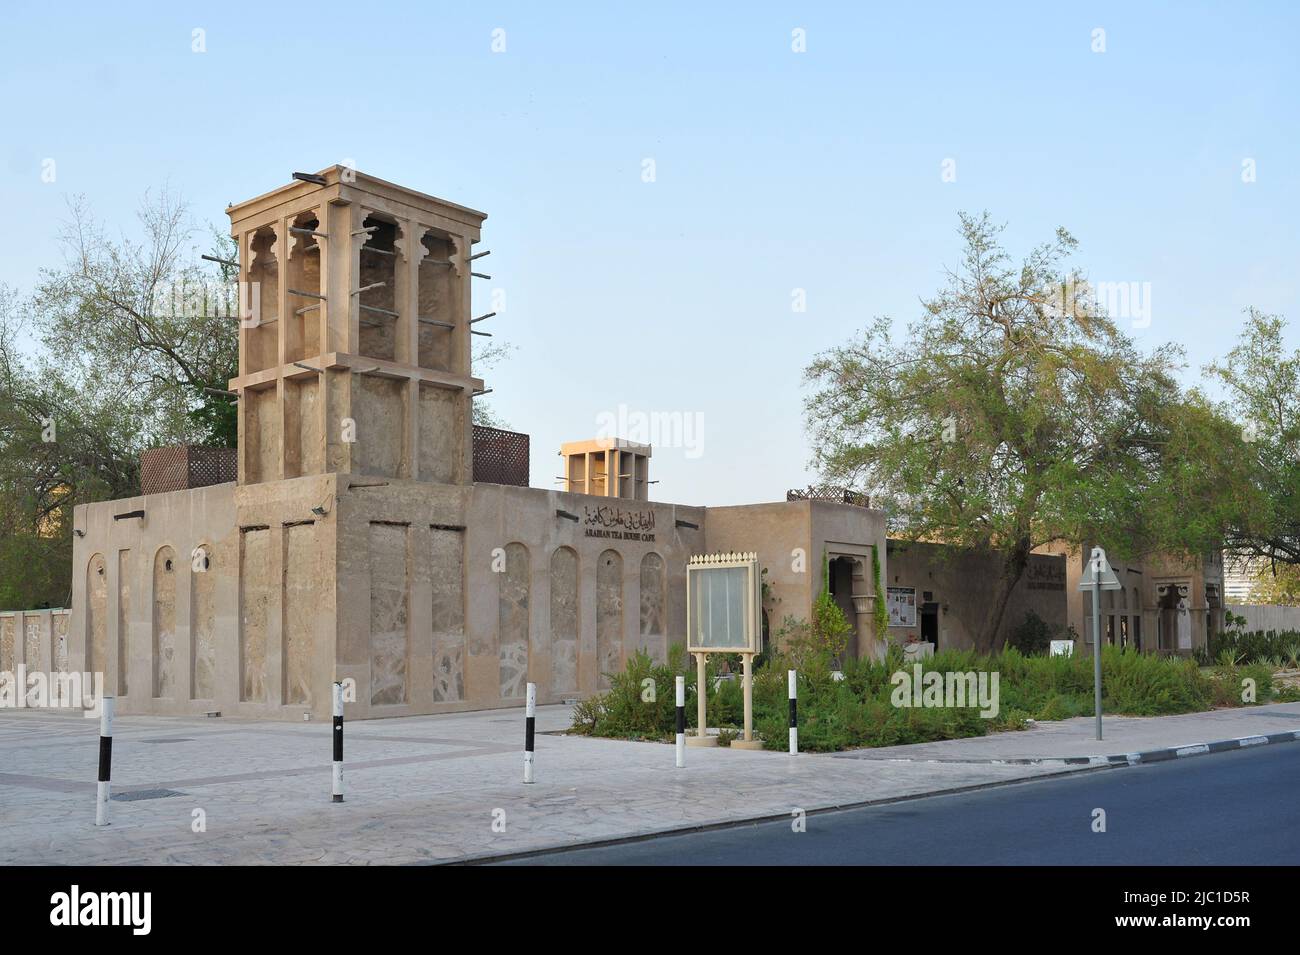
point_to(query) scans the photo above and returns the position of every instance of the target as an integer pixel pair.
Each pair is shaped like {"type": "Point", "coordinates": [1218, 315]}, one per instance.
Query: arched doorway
{"type": "Point", "coordinates": [840, 580]}
{"type": "Point", "coordinates": [1173, 618]}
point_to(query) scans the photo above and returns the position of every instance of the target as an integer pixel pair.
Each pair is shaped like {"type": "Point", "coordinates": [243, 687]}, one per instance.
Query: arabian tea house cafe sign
{"type": "Point", "coordinates": [614, 523]}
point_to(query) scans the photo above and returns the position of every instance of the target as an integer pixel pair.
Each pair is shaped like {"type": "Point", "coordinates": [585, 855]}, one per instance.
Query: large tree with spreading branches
{"type": "Point", "coordinates": [1014, 414]}
{"type": "Point", "coordinates": [1262, 381]}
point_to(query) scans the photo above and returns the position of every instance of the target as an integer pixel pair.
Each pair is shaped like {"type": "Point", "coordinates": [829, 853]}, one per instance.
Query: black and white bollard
{"type": "Point", "coordinates": [681, 722]}
{"type": "Point", "coordinates": [338, 742]}
{"type": "Point", "coordinates": [530, 724]}
{"type": "Point", "coordinates": [792, 677]}
{"type": "Point", "coordinates": [105, 761]}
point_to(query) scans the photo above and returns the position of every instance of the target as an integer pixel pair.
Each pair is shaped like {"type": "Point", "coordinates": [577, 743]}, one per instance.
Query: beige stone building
{"type": "Point", "coordinates": [939, 594]}
{"type": "Point", "coordinates": [355, 542]}
{"type": "Point", "coordinates": [1167, 604]}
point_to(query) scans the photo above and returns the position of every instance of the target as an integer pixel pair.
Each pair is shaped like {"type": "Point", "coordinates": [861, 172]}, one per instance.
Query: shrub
{"type": "Point", "coordinates": [830, 628]}
{"type": "Point", "coordinates": [1033, 636]}
{"type": "Point", "coordinates": [627, 710]}
{"type": "Point", "coordinates": [857, 710]}
{"type": "Point", "coordinates": [1251, 646]}
{"type": "Point", "coordinates": [1142, 684]}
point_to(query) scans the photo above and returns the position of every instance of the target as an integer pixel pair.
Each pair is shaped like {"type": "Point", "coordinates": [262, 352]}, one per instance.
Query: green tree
{"type": "Point", "coordinates": [1015, 413]}
{"type": "Point", "coordinates": [1277, 585]}
{"type": "Point", "coordinates": [137, 339]}
{"type": "Point", "coordinates": [143, 319]}
{"type": "Point", "coordinates": [1263, 386]}
{"type": "Point", "coordinates": [57, 449]}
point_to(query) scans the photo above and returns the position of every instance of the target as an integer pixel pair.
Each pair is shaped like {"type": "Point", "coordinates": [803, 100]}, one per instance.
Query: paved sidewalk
{"type": "Point", "coordinates": [1122, 736]}
{"type": "Point", "coordinates": [429, 789]}
{"type": "Point", "coordinates": [419, 789]}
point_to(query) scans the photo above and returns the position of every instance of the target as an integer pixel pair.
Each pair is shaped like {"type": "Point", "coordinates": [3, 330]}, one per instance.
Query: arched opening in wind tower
{"type": "Point", "coordinates": [378, 290]}
{"type": "Point", "coordinates": [438, 291]}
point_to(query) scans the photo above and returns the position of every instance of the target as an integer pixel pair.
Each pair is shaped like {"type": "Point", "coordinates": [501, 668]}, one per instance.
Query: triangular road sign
{"type": "Point", "coordinates": [1097, 569]}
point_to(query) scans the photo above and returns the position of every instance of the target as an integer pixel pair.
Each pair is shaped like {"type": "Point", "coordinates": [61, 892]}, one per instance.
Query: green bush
{"type": "Point", "coordinates": [1226, 682]}
{"type": "Point", "coordinates": [857, 710]}
{"type": "Point", "coordinates": [1033, 636]}
{"type": "Point", "coordinates": [628, 710]}
{"type": "Point", "coordinates": [1287, 694]}
{"type": "Point", "coordinates": [1252, 646]}
{"type": "Point", "coordinates": [1142, 684]}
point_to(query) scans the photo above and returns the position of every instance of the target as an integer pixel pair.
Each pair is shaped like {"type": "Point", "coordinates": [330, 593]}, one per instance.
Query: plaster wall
{"type": "Point", "coordinates": [1131, 616]}
{"type": "Point", "coordinates": [138, 622]}
{"type": "Point", "coordinates": [431, 597]}
{"type": "Point", "coordinates": [1268, 617]}
{"type": "Point", "coordinates": [36, 639]}
{"type": "Point", "coordinates": [791, 538]}
{"type": "Point", "coordinates": [958, 581]}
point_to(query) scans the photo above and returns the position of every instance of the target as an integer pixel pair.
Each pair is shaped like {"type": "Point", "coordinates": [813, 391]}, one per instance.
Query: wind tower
{"type": "Point", "coordinates": [354, 340]}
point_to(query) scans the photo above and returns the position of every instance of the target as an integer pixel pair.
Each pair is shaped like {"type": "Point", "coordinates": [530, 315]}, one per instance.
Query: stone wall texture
{"type": "Point", "coordinates": [430, 597]}
{"type": "Point", "coordinates": [564, 621]}
{"type": "Point", "coordinates": [609, 614]}
{"type": "Point", "coordinates": [513, 621]}
{"type": "Point", "coordinates": [164, 623]}
{"type": "Point", "coordinates": [389, 596]}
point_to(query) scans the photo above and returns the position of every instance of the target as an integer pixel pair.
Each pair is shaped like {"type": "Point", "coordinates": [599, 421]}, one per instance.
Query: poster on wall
{"type": "Point", "coordinates": [901, 602]}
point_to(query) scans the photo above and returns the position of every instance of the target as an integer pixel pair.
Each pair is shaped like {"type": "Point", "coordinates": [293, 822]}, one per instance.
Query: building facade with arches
{"type": "Point", "coordinates": [1168, 604]}
{"type": "Point", "coordinates": [355, 544]}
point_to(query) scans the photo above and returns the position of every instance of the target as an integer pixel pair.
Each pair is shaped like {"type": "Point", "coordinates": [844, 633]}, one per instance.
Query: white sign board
{"type": "Point", "coordinates": [901, 603]}
{"type": "Point", "coordinates": [723, 603]}
{"type": "Point", "coordinates": [1062, 648]}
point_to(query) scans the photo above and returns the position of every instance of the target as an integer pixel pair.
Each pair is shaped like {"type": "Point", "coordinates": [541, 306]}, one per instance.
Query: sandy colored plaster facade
{"type": "Point", "coordinates": [793, 538]}
{"type": "Point", "coordinates": [433, 598]}
{"type": "Point", "coordinates": [354, 339]}
{"type": "Point", "coordinates": [950, 588]}
{"type": "Point", "coordinates": [35, 639]}
{"type": "Point", "coordinates": [127, 601]}
{"type": "Point", "coordinates": [1167, 604]}
{"type": "Point", "coordinates": [355, 546]}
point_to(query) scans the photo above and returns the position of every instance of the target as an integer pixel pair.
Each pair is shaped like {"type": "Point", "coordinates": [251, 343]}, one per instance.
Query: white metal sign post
{"type": "Point", "coordinates": [1097, 576]}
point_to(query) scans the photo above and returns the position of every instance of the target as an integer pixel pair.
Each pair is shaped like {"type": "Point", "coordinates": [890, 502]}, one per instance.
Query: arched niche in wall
{"type": "Point", "coordinates": [609, 615]}
{"type": "Point", "coordinates": [512, 621]}
{"type": "Point", "coordinates": [564, 621]}
{"type": "Point", "coordinates": [653, 608]}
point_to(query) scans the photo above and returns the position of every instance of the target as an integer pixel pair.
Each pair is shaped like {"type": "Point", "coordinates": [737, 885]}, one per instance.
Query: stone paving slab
{"type": "Point", "coordinates": [418, 789]}
{"type": "Point", "coordinates": [449, 788]}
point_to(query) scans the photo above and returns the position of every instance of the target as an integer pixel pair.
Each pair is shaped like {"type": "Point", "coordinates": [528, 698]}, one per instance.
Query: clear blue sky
{"type": "Point", "coordinates": [775, 170]}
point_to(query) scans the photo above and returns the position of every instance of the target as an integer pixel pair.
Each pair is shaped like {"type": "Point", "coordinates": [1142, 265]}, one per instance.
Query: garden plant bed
{"type": "Point", "coordinates": [866, 708]}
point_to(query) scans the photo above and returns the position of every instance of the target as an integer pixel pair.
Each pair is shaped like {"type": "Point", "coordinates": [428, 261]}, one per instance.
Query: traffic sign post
{"type": "Point", "coordinates": [1097, 576]}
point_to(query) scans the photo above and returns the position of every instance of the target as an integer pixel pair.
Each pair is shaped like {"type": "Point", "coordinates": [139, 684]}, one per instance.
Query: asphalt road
{"type": "Point", "coordinates": [1237, 808]}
